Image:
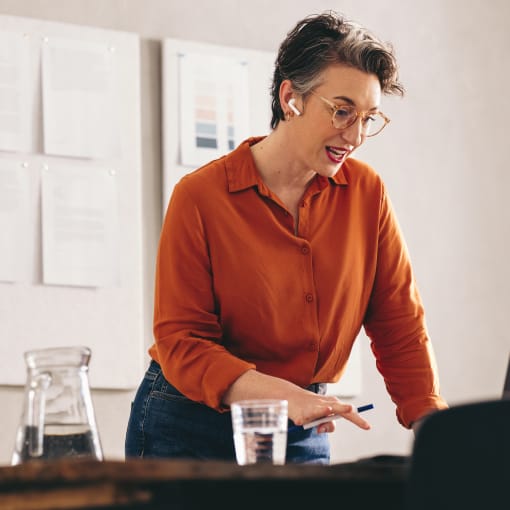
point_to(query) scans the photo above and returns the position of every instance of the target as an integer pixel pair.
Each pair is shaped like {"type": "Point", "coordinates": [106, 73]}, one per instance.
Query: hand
{"type": "Point", "coordinates": [304, 405]}
{"type": "Point", "coordinates": [349, 413]}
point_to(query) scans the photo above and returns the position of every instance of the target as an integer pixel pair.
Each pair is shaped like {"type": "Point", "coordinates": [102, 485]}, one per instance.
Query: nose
{"type": "Point", "coordinates": [354, 134]}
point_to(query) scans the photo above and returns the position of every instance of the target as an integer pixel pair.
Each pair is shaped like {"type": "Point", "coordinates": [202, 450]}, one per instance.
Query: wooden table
{"type": "Point", "coordinates": [192, 485]}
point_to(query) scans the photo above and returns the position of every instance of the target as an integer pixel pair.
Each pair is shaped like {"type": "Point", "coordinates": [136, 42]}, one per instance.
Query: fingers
{"type": "Point", "coordinates": [358, 420]}
{"type": "Point", "coordinates": [348, 412]}
{"type": "Point", "coordinates": [326, 422]}
{"type": "Point", "coordinates": [309, 408]}
{"type": "Point", "coordinates": [327, 427]}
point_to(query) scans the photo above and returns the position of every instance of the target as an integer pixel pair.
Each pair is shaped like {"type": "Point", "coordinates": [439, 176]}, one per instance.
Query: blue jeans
{"type": "Point", "coordinates": [164, 423]}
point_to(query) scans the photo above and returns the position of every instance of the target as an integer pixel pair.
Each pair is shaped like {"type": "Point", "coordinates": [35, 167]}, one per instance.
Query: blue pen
{"type": "Point", "coordinates": [325, 419]}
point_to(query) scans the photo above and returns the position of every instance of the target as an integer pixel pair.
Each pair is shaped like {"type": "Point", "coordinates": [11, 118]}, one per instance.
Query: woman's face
{"type": "Point", "coordinates": [319, 146]}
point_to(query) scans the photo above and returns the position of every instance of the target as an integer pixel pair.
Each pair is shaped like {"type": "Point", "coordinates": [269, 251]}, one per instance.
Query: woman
{"type": "Point", "coordinates": [273, 257]}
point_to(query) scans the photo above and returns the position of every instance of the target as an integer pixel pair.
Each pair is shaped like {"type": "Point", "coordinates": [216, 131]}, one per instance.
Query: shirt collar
{"type": "Point", "coordinates": [242, 173]}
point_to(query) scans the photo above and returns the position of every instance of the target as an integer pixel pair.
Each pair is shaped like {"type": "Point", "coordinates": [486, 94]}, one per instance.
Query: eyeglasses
{"type": "Point", "coordinates": [344, 116]}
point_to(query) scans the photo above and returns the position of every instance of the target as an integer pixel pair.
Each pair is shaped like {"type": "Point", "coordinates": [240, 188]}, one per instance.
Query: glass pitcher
{"type": "Point", "coordinates": [58, 417]}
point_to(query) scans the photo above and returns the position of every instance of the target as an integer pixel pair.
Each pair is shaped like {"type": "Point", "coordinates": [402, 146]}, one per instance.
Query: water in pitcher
{"type": "Point", "coordinates": [58, 441]}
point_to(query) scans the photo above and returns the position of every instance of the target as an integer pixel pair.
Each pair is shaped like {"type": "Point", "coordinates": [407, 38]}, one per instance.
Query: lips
{"type": "Point", "coordinates": [336, 154]}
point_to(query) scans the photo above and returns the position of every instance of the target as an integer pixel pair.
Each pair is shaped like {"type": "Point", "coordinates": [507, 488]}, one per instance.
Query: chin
{"type": "Point", "coordinates": [330, 170]}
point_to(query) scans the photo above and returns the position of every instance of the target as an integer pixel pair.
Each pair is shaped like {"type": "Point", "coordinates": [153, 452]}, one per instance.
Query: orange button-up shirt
{"type": "Point", "coordinates": [237, 288]}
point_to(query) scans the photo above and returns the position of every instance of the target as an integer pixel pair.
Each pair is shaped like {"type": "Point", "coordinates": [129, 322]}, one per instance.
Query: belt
{"type": "Point", "coordinates": [318, 387]}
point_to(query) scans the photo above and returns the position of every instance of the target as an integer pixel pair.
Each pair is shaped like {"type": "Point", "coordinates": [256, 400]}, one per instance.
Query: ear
{"type": "Point", "coordinates": [286, 92]}
{"type": "Point", "coordinates": [287, 97]}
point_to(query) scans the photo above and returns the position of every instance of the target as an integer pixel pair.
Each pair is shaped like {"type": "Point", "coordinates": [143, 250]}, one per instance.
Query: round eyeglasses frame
{"type": "Point", "coordinates": [363, 115]}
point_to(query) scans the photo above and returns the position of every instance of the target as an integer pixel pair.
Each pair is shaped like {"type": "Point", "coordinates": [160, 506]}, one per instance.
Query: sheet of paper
{"type": "Point", "coordinates": [14, 220]}
{"type": "Point", "coordinates": [80, 113]}
{"type": "Point", "coordinates": [79, 226]}
{"type": "Point", "coordinates": [214, 106]}
{"type": "Point", "coordinates": [15, 100]}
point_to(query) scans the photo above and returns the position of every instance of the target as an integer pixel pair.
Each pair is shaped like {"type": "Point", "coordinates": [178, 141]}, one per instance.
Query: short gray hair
{"type": "Point", "coordinates": [321, 40]}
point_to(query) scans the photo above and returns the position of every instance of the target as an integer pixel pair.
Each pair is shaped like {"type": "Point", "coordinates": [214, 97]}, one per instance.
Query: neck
{"type": "Point", "coordinates": [277, 165]}
{"type": "Point", "coordinates": [281, 171]}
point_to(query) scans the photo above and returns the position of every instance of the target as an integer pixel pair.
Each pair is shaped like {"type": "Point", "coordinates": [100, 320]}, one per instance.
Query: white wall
{"type": "Point", "coordinates": [444, 159]}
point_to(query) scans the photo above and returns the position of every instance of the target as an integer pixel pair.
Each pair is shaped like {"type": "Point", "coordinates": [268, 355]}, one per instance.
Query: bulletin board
{"type": "Point", "coordinates": [70, 198]}
{"type": "Point", "coordinates": [194, 70]}
{"type": "Point", "coordinates": [249, 74]}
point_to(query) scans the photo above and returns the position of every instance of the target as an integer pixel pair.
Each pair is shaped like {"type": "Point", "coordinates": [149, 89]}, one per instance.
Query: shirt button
{"type": "Point", "coordinates": [312, 347]}
{"type": "Point", "coordinates": [305, 250]}
{"type": "Point", "coordinates": [309, 298]}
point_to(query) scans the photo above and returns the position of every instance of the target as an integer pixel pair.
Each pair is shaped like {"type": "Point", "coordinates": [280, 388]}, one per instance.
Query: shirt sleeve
{"type": "Point", "coordinates": [188, 335]}
{"type": "Point", "coordinates": [395, 324]}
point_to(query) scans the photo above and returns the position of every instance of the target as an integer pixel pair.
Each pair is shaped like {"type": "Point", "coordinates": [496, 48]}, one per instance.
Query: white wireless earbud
{"type": "Point", "coordinates": [292, 106]}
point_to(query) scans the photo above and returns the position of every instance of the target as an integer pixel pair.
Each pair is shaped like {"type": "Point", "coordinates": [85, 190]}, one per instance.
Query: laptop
{"type": "Point", "coordinates": [506, 386]}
